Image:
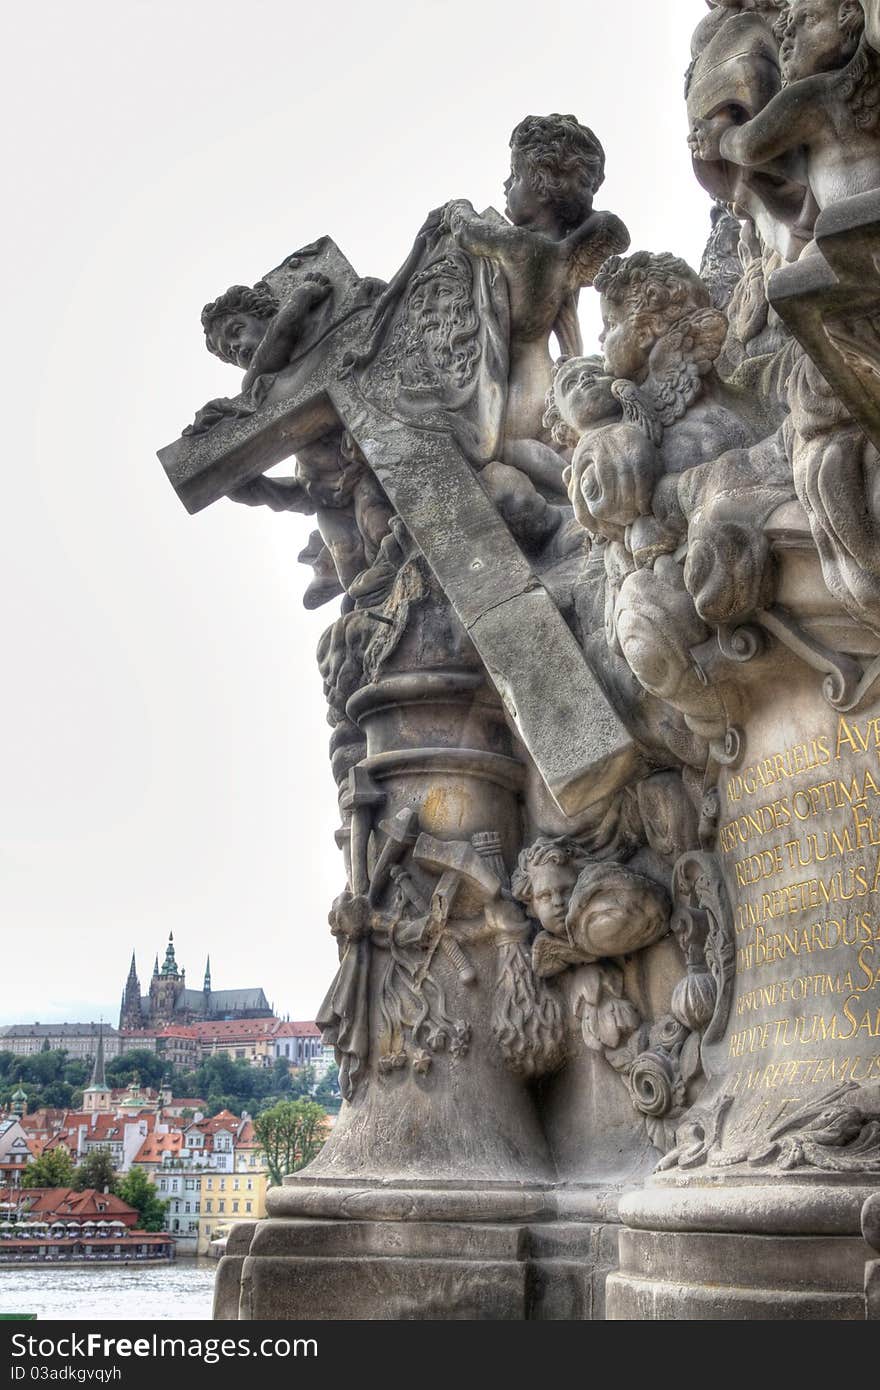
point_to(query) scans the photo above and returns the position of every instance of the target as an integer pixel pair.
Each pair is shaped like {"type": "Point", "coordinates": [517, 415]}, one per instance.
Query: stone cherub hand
{"type": "Point", "coordinates": [249, 329]}
{"type": "Point", "coordinates": [826, 110]}
{"type": "Point", "coordinates": [704, 138]}
{"type": "Point", "coordinates": [285, 328]}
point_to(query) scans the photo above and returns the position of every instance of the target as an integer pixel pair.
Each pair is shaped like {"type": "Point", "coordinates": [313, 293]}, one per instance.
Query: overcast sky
{"type": "Point", "coordinates": [164, 763]}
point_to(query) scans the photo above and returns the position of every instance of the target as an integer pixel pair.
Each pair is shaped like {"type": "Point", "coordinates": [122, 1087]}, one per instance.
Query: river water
{"type": "Point", "coordinates": [147, 1293]}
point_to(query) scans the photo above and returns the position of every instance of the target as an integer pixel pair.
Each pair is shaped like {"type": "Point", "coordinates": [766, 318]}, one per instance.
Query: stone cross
{"type": "Point", "coordinates": [576, 740]}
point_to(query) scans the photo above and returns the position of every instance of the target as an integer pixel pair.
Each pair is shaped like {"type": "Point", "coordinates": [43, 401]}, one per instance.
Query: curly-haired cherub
{"type": "Point", "coordinates": [829, 106]}
{"type": "Point", "coordinates": [661, 337]}
{"type": "Point", "coordinates": [249, 328]}
{"type": "Point", "coordinates": [553, 244]}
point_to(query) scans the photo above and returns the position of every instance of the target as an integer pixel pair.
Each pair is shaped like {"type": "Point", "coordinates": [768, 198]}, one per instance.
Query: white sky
{"type": "Point", "coordinates": [164, 737]}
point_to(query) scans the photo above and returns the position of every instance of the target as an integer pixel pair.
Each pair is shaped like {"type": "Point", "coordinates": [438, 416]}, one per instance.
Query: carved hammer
{"type": "Point", "coordinates": [459, 865]}
{"type": "Point", "coordinates": [400, 831]}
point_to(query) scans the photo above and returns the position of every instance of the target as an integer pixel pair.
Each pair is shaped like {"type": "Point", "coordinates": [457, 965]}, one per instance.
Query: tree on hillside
{"type": "Point", "coordinates": [136, 1189]}
{"type": "Point", "coordinates": [140, 1063]}
{"type": "Point", "coordinates": [96, 1170]}
{"type": "Point", "coordinates": [77, 1072]}
{"type": "Point", "coordinates": [290, 1134]}
{"type": "Point", "coordinates": [327, 1090]}
{"type": "Point", "coordinates": [58, 1095]}
{"type": "Point", "coordinates": [302, 1083]}
{"type": "Point", "coordinates": [51, 1169]}
{"type": "Point", "coordinates": [281, 1079]}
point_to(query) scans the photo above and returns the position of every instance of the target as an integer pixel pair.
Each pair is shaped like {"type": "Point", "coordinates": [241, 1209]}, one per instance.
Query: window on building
{"type": "Point", "coordinates": [250, 1182]}
{"type": "Point", "coordinates": [248, 1205]}
{"type": "Point", "coordinates": [186, 1208]}
{"type": "Point", "coordinates": [234, 1207]}
{"type": "Point", "coordinates": [221, 1205]}
{"type": "Point", "coordinates": [209, 1205]}
{"type": "Point", "coordinates": [235, 1184]}
{"type": "Point", "coordinates": [210, 1184]}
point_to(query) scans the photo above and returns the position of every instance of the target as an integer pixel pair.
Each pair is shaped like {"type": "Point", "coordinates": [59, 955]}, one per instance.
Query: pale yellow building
{"type": "Point", "coordinates": [228, 1198]}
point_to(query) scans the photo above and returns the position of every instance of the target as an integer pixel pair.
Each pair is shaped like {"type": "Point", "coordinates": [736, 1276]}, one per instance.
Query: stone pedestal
{"type": "Point", "coordinates": [758, 1212]}
{"type": "Point", "coordinates": [415, 1251]}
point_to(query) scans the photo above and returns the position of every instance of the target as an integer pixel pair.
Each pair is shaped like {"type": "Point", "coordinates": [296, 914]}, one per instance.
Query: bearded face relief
{"type": "Point", "coordinates": [440, 326]}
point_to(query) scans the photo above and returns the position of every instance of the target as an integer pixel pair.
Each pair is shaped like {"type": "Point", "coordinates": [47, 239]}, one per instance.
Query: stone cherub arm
{"type": "Point", "coordinates": [581, 252]}
{"type": "Point", "coordinates": [827, 109]}
{"type": "Point", "coordinates": [551, 246]}
{"type": "Point", "coordinates": [284, 330]}
{"type": "Point", "coordinates": [249, 329]}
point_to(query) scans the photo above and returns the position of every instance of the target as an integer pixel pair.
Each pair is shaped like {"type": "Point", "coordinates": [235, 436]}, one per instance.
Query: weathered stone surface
{"type": "Point", "coordinates": [604, 687]}
{"type": "Point", "coordinates": [422, 1269]}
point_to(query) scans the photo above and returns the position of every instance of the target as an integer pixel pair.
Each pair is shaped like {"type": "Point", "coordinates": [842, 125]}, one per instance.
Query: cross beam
{"type": "Point", "coordinates": [576, 740]}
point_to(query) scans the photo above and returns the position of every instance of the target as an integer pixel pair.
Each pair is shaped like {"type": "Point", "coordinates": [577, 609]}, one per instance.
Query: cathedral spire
{"type": "Point", "coordinates": [156, 966]}
{"type": "Point", "coordinates": [130, 1014]}
{"type": "Point", "coordinates": [99, 1080]}
{"type": "Point", "coordinates": [169, 965]}
{"type": "Point", "coordinates": [208, 975]}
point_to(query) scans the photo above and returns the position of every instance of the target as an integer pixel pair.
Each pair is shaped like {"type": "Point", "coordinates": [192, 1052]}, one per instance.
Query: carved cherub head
{"type": "Point", "coordinates": [556, 164]}
{"type": "Point", "coordinates": [440, 324]}
{"type": "Point", "coordinates": [235, 324]}
{"type": "Point", "coordinates": [818, 36]}
{"type": "Point", "coordinates": [643, 297]}
{"type": "Point", "coordinates": [580, 398]}
{"type": "Point", "coordinates": [544, 879]}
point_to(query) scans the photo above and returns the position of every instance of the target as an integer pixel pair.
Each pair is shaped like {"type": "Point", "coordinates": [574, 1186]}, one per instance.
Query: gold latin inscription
{"type": "Point", "coordinates": [804, 863]}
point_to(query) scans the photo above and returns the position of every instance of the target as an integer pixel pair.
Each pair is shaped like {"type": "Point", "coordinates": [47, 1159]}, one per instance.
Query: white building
{"type": "Point", "coordinates": [181, 1187]}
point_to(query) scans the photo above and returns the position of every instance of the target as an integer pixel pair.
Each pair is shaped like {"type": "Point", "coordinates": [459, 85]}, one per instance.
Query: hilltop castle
{"type": "Point", "coordinates": [169, 1000]}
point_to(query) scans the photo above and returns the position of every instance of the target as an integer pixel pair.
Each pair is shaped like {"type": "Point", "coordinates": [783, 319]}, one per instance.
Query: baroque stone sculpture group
{"type": "Point", "coordinates": [604, 690]}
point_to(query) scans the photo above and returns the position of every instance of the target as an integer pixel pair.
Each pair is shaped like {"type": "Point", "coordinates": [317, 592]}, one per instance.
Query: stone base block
{"type": "Point", "coordinates": [418, 1270]}
{"type": "Point", "coordinates": [700, 1275]}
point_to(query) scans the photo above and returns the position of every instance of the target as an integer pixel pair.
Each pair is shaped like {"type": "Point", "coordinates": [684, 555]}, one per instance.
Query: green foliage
{"type": "Point", "coordinates": [138, 1064]}
{"type": "Point", "coordinates": [51, 1169]}
{"type": "Point", "coordinates": [53, 1079]}
{"type": "Point", "coordinates": [136, 1189]}
{"type": "Point", "coordinates": [96, 1170]}
{"type": "Point", "coordinates": [327, 1091]}
{"type": "Point", "coordinates": [50, 1078]}
{"type": "Point", "coordinates": [234, 1084]}
{"type": "Point", "coordinates": [281, 1078]}
{"type": "Point", "coordinates": [302, 1083]}
{"type": "Point", "coordinates": [290, 1134]}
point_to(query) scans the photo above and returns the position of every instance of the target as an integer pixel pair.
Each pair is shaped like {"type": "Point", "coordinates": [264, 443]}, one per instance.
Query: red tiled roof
{"type": "Point", "coordinates": [224, 1120]}
{"type": "Point", "coordinates": [252, 1030]}
{"type": "Point", "coordinates": [67, 1204]}
{"type": "Point", "coordinates": [298, 1030]}
{"type": "Point", "coordinates": [155, 1145]}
